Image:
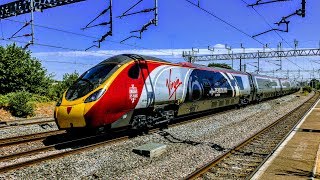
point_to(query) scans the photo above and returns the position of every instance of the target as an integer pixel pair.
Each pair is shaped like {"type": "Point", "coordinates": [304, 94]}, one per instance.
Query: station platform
{"type": "Point", "coordinates": [298, 157]}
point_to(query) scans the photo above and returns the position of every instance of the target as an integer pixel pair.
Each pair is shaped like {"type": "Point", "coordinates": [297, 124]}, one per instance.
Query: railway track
{"type": "Point", "coordinates": [28, 138]}
{"type": "Point", "coordinates": [74, 146]}
{"type": "Point", "coordinates": [32, 121]}
{"type": "Point", "coordinates": [85, 143]}
{"type": "Point", "coordinates": [243, 160]}
{"type": "Point", "coordinates": [78, 145]}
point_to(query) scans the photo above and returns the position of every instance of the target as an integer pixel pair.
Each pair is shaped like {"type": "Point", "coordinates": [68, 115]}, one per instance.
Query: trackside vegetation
{"type": "Point", "coordinates": [24, 82]}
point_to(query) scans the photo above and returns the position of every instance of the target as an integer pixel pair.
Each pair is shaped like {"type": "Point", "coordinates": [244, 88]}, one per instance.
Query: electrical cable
{"type": "Point", "coordinates": [88, 36]}
{"type": "Point", "coordinates": [53, 46]}
{"type": "Point", "coordinates": [64, 62]}
{"type": "Point", "coordinates": [224, 21]}
{"type": "Point", "coordinates": [274, 31]}
{"type": "Point", "coordinates": [229, 24]}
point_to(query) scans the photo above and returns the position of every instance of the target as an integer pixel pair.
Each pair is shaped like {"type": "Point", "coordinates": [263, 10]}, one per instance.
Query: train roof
{"type": "Point", "coordinates": [203, 67]}
{"type": "Point", "coordinates": [123, 58]}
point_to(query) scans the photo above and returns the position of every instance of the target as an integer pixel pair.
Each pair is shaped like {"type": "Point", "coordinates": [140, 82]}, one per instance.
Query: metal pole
{"type": "Point", "coordinates": [156, 12]}
{"type": "Point", "coordinates": [240, 64]}
{"type": "Point", "coordinates": [258, 63]}
{"type": "Point", "coordinates": [232, 59]}
{"type": "Point", "coordinates": [32, 21]}
{"type": "Point", "coordinates": [111, 23]}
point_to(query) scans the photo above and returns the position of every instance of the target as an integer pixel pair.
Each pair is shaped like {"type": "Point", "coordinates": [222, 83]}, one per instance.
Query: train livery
{"type": "Point", "coordinates": [141, 91]}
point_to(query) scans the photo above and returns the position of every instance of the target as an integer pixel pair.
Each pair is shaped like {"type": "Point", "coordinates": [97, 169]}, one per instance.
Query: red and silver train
{"type": "Point", "coordinates": [141, 91]}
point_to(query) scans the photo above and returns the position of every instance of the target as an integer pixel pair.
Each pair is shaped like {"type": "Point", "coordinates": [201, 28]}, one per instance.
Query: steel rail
{"type": "Point", "coordinates": [58, 155]}
{"type": "Point", "coordinates": [178, 121]}
{"type": "Point", "coordinates": [200, 171]}
{"type": "Point", "coordinates": [9, 124]}
{"type": "Point", "coordinates": [28, 138]}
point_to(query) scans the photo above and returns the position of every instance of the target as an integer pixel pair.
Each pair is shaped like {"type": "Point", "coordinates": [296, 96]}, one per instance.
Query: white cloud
{"type": "Point", "coordinates": [219, 46]}
{"type": "Point", "coordinates": [174, 55]}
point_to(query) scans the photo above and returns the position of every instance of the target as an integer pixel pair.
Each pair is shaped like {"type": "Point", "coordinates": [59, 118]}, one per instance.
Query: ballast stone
{"type": "Point", "coordinates": [150, 150]}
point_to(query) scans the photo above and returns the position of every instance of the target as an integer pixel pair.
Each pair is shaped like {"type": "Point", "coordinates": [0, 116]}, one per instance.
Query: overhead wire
{"type": "Point", "coordinates": [229, 24]}
{"type": "Point", "coordinates": [224, 21]}
{"type": "Point", "coordinates": [50, 46]}
{"type": "Point", "coordinates": [64, 62]}
{"type": "Point", "coordinates": [89, 36]}
{"type": "Point", "coordinates": [264, 19]}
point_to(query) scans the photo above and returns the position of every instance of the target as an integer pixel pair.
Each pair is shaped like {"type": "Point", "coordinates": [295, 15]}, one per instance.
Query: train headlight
{"type": "Point", "coordinates": [95, 96]}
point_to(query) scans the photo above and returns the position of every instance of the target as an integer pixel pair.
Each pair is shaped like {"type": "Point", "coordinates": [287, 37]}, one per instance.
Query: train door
{"type": "Point", "coordinates": [253, 87]}
{"type": "Point", "coordinates": [234, 85]}
{"type": "Point", "coordinates": [134, 85]}
{"type": "Point", "coordinates": [148, 85]}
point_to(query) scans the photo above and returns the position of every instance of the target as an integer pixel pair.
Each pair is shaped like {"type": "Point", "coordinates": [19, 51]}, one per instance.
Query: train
{"type": "Point", "coordinates": [138, 92]}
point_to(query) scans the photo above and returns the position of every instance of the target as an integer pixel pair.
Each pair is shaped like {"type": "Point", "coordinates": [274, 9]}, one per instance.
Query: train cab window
{"type": "Point", "coordinates": [239, 81]}
{"type": "Point", "coordinates": [89, 81]}
{"type": "Point", "coordinates": [134, 71]}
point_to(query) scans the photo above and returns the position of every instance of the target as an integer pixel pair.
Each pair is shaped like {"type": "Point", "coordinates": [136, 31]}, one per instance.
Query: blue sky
{"type": "Point", "coordinates": [181, 27]}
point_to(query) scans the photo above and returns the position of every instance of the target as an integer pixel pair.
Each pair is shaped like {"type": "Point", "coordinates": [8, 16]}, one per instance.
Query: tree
{"type": "Point", "coordinates": [58, 88]}
{"type": "Point", "coordinates": [314, 83]}
{"type": "Point", "coordinates": [21, 72]}
{"type": "Point", "coordinates": [221, 65]}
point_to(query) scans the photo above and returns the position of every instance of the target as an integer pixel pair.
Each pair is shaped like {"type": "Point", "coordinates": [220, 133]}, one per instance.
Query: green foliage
{"type": "Point", "coordinates": [20, 104]}
{"type": "Point", "coordinates": [221, 65]}
{"type": "Point", "coordinates": [307, 89]}
{"type": "Point", "coordinates": [3, 101]}
{"type": "Point", "coordinates": [39, 98]}
{"type": "Point", "coordinates": [19, 71]}
{"type": "Point", "coordinates": [58, 88]}
{"type": "Point", "coordinates": [314, 83]}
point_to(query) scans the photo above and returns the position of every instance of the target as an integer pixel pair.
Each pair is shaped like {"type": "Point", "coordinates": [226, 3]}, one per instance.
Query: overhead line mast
{"type": "Point", "coordinates": [255, 55]}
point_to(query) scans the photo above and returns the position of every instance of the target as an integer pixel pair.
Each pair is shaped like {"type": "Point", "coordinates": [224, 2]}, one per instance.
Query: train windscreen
{"type": "Point", "coordinates": [88, 81]}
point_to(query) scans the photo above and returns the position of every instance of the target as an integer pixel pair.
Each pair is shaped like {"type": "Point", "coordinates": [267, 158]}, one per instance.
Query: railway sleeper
{"type": "Point", "coordinates": [230, 175]}
{"type": "Point", "coordinates": [254, 155]}
{"type": "Point", "coordinates": [255, 159]}
{"type": "Point", "coordinates": [245, 162]}
{"type": "Point", "coordinates": [233, 169]}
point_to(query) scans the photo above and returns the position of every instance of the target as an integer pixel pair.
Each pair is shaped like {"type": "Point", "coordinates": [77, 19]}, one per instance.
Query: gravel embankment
{"type": "Point", "coordinates": [188, 146]}
{"type": "Point", "coordinates": [14, 131]}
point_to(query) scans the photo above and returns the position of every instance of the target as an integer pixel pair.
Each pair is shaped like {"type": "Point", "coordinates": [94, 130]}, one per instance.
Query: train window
{"type": "Point", "coordinates": [286, 84]}
{"type": "Point", "coordinates": [196, 92]}
{"type": "Point", "coordinates": [218, 79]}
{"type": "Point", "coordinates": [274, 83]}
{"type": "Point", "coordinates": [239, 81]}
{"type": "Point", "coordinates": [206, 87]}
{"type": "Point", "coordinates": [263, 83]}
{"type": "Point", "coordinates": [89, 80]}
{"type": "Point", "coordinates": [206, 83]}
{"type": "Point", "coordinates": [134, 71]}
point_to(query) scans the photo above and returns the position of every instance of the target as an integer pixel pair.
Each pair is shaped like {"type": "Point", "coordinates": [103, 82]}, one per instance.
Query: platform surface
{"type": "Point", "coordinates": [299, 156]}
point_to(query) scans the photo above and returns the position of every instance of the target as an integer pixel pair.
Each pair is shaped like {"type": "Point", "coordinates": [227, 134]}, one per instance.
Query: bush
{"type": "Point", "coordinates": [39, 98]}
{"type": "Point", "coordinates": [307, 89]}
{"type": "Point", "coordinates": [20, 104]}
{"type": "Point", "coordinates": [3, 101]}
{"type": "Point", "coordinates": [57, 89]}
